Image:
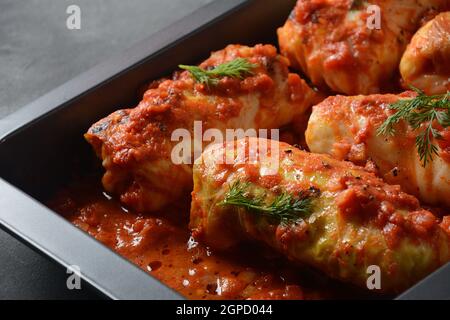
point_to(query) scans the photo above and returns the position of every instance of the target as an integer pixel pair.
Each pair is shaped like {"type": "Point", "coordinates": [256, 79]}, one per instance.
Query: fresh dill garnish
{"type": "Point", "coordinates": [237, 68]}
{"type": "Point", "coordinates": [420, 113]}
{"type": "Point", "coordinates": [284, 208]}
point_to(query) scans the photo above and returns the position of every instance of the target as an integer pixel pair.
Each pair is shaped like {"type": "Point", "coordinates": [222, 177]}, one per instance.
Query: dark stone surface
{"type": "Point", "coordinates": [38, 53]}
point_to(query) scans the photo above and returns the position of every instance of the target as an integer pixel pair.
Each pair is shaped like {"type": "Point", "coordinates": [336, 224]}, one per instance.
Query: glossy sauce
{"type": "Point", "coordinates": [164, 248]}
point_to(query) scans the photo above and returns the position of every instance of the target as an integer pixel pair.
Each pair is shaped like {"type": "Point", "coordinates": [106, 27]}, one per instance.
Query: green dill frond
{"type": "Point", "coordinates": [284, 208]}
{"type": "Point", "coordinates": [420, 113]}
{"type": "Point", "coordinates": [237, 68]}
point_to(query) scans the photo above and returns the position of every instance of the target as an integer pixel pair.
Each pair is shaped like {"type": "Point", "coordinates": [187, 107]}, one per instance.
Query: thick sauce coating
{"type": "Point", "coordinates": [426, 62]}
{"type": "Point", "coordinates": [355, 220]}
{"type": "Point", "coordinates": [136, 145]}
{"type": "Point", "coordinates": [332, 43]}
{"type": "Point", "coordinates": [346, 128]}
{"type": "Point", "coordinates": [162, 246]}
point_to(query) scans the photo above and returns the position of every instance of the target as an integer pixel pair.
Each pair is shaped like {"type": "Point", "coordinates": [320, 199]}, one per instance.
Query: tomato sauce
{"type": "Point", "coordinates": [161, 245]}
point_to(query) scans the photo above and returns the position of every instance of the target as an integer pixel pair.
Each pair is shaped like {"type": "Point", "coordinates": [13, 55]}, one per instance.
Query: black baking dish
{"type": "Point", "coordinates": [42, 144]}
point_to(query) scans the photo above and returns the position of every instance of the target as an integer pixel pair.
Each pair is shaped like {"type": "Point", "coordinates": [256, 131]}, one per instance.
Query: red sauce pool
{"type": "Point", "coordinates": [162, 246]}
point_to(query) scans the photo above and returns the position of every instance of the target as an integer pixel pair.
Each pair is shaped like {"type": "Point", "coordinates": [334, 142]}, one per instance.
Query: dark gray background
{"type": "Point", "coordinates": [39, 53]}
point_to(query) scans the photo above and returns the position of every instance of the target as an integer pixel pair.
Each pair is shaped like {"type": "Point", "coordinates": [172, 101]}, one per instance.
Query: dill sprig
{"type": "Point", "coordinates": [284, 208]}
{"type": "Point", "coordinates": [420, 113]}
{"type": "Point", "coordinates": [237, 68]}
